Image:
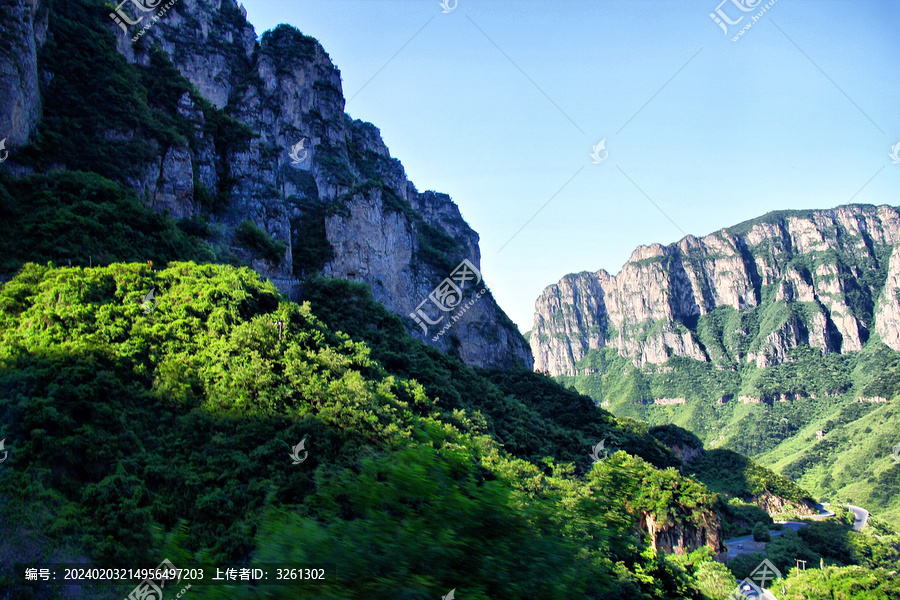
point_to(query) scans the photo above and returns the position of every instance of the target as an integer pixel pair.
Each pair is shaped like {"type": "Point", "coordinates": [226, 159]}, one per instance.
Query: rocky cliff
{"type": "Point", "coordinates": [684, 538]}
{"type": "Point", "coordinates": [249, 139]}
{"type": "Point", "coordinates": [887, 325]}
{"type": "Point", "coordinates": [23, 29]}
{"type": "Point", "coordinates": [747, 294]}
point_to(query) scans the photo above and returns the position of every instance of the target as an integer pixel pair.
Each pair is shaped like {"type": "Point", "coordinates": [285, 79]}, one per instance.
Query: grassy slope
{"type": "Point", "coordinates": [853, 459]}
{"type": "Point", "coordinates": [853, 462]}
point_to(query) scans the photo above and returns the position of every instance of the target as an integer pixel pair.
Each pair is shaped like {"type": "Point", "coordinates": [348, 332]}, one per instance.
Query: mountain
{"type": "Point", "coordinates": [151, 385]}
{"type": "Point", "coordinates": [247, 143]}
{"type": "Point", "coordinates": [743, 295]}
{"type": "Point", "coordinates": [138, 429]}
{"type": "Point", "coordinates": [207, 268]}
{"type": "Point", "coordinates": [776, 338]}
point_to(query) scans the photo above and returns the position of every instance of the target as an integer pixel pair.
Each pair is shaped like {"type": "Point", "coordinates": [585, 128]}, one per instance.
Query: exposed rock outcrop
{"type": "Point", "coordinates": [887, 321]}
{"type": "Point", "coordinates": [684, 538]}
{"type": "Point", "coordinates": [775, 505]}
{"type": "Point", "coordinates": [263, 137]}
{"type": "Point", "coordinates": [377, 235]}
{"type": "Point", "coordinates": [800, 277]}
{"type": "Point", "coordinates": [23, 28]}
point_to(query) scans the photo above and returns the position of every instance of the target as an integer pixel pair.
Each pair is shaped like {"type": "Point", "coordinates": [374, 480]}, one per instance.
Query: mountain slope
{"type": "Point", "coordinates": [138, 429]}
{"type": "Point", "coordinates": [247, 143]}
{"type": "Point", "coordinates": [776, 338]}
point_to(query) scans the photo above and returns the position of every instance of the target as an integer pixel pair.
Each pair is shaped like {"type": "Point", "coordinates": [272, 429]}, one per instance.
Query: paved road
{"type": "Point", "coordinates": [745, 544]}
{"type": "Point", "coordinates": [862, 517]}
{"type": "Point", "coordinates": [824, 513]}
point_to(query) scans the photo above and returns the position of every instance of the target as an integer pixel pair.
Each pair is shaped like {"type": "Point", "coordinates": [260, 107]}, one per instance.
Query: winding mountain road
{"type": "Point", "coordinates": [745, 544]}
{"type": "Point", "coordinates": [751, 594]}
{"type": "Point", "coordinates": [862, 517]}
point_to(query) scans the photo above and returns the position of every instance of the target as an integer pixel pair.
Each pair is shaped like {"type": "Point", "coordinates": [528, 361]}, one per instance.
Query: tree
{"type": "Point", "coordinates": [714, 580]}
{"type": "Point", "coordinates": [761, 532]}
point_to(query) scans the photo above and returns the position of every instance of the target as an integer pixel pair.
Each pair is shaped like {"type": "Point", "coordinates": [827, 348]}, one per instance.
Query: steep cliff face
{"type": "Point", "coordinates": [887, 320]}
{"type": "Point", "coordinates": [789, 278]}
{"type": "Point", "coordinates": [256, 144]}
{"type": "Point", "coordinates": [23, 26]}
{"type": "Point", "coordinates": [684, 538]}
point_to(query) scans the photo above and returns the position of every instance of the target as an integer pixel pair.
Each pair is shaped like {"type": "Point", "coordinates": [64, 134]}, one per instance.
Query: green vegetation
{"type": "Point", "coordinates": [86, 219]}
{"type": "Point", "coordinates": [140, 429]}
{"type": "Point", "coordinates": [761, 533]}
{"type": "Point", "coordinates": [437, 249]}
{"type": "Point", "coordinates": [285, 46]}
{"type": "Point", "coordinates": [850, 583]}
{"type": "Point", "coordinates": [188, 411]}
{"type": "Point", "coordinates": [808, 396]}
{"type": "Point", "coordinates": [253, 238]}
{"type": "Point", "coordinates": [84, 76]}
{"type": "Point", "coordinates": [514, 406]}
{"type": "Point", "coordinates": [714, 580]}
{"type": "Point", "coordinates": [310, 248]}
{"type": "Point", "coordinates": [672, 436]}
{"type": "Point", "coordinates": [835, 556]}
{"type": "Point", "coordinates": [736, 476]}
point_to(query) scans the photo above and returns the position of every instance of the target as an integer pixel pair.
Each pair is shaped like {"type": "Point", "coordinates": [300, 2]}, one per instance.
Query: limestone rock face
{"type": "Point", "coordinates": [574, 311]}
{"type": "Point", "coordinates": [887, 319]}
{"type": "Point", "coordinates": [263, 137]}
{"type": "Point", "coordinates": [23, 28]}
{"type": "Point", "coordinates": [785, 279]}
{"type": "Point", "coordinates": [295, 97]}
{"type": "Point", "coordinates": [684, 538]}
{"type": "Point", "coordinates": [774, 505]}
{"type": "Point", "coordinates": [379, 247]}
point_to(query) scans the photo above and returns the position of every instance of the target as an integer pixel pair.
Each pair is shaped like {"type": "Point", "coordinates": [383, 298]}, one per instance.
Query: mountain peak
{"type": "Point", "coordinates": [248, 141]}
{"type": "Point", "coordinates": [812, 277]}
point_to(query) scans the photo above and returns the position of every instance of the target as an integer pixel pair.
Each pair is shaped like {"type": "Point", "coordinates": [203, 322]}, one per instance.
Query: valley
{"type": "Point", "coordinates": [235, 335]}
{"type": "Point", "coordinates": [773, 338]}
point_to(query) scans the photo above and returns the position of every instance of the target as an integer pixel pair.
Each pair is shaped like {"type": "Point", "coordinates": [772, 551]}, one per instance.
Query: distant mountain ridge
{"type": "Point", "coordinates": [776, 338]}
{"type": "Point", "coordinates": [743, 295]}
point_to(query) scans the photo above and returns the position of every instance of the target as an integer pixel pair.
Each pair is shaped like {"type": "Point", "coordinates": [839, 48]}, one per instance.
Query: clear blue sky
{"type": "Point", "coordinates": [800, 112]}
